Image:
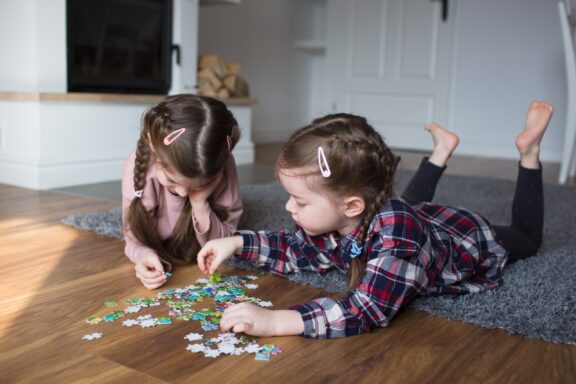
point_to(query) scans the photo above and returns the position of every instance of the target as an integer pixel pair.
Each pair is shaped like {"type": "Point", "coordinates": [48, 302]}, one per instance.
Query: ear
{"type": "Point", "coordinates": [354, 206]}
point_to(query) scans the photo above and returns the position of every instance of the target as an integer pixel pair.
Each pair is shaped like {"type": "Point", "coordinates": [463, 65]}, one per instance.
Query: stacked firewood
{"type": "Point", "coordinates": [219, 78]}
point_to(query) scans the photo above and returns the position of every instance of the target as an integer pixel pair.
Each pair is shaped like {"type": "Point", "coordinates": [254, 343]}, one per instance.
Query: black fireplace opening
{"type": "Point", "coordinates": [119, 46]}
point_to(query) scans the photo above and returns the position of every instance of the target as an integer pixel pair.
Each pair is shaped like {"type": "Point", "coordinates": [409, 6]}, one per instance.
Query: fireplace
{"type": "Point", "coordinates": [119, 46]}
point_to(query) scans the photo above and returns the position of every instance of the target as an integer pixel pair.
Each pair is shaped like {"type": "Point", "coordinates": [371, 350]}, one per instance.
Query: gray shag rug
{"type": "Point", "coordinates": [537, 299]}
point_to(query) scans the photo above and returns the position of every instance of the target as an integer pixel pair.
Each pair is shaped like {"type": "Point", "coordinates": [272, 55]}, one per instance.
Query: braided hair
{"type": "Point", "coordinates": [201, 151]}
{"type": "Point", "coordinates": [360, 164]}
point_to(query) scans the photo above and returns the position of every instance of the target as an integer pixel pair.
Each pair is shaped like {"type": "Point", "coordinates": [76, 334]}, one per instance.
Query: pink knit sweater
{"type": "Point", "coordinates": [169, 206]}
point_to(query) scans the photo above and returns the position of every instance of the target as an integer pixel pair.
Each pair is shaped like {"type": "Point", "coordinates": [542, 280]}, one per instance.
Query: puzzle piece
{"type": "Point", "coordinates": [92, 336]}
{"type": "Point", "coordinates": [193, 336]}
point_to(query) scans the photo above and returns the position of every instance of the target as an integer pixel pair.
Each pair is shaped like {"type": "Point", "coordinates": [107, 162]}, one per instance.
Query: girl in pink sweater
{"type": "Point", "coordinates": [179, 187]}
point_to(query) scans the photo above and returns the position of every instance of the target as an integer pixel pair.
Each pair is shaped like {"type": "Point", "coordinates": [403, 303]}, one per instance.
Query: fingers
{"type": "Point", "coordinates": [238, 324]}
{"type": "Point", "coordinates": [155, 264]}
{"type": "Point", "coordinates": [151, 279]}
{"type": "Point", "coordinates": [243, 327]}
{"type": "Point", "coordinates": [206, 264]}
{"type": "Point", "coordinates": [149, 273]}
{"type": "Point", "coordinates": [152, 286]}
{"type": "Point", "coordinates": [207, 260]}
{"type": "Point", "coordinates": [202, 259]}
{"type": "Point", "coordinates": [236, 308]}
{"type": "Point", "coordinates": [236, 311]}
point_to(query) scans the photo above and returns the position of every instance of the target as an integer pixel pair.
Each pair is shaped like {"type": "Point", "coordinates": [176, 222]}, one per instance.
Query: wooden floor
{"type": "Point", "coordinates": [53, 277]}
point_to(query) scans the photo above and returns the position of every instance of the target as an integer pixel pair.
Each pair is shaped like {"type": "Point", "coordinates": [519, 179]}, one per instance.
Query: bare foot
{"type": "Point", "coordinates": [445, 142]}
{"type": "Point", "coordinates": [528, 141]}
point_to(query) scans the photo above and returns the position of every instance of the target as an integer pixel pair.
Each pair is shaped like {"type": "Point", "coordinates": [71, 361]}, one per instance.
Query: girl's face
{"type": "Point", "coordinates": [180, 185]}
{"type": "Point", "coordinates": [316, 213]}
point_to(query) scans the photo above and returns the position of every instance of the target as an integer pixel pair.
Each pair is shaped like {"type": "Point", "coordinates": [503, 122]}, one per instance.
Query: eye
{"type": "Point", "coordinates": [300, 205]}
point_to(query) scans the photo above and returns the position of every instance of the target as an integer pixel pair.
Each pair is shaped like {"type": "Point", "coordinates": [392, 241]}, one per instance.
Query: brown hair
{"type": "Point", "coordinates": [360, 164]}
{"type": "Point", "coordinates": [201, 151]}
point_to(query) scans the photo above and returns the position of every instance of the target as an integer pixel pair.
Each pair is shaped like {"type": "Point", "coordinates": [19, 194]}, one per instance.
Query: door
{"type": "Point", "coordinates": [390, 61]}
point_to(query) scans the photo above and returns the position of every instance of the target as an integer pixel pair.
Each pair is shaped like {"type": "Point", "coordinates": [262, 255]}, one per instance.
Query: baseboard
{"type": "Point", "coordinates": [19, 174]}
{"type": "Point", "coordinates": [60, 176]}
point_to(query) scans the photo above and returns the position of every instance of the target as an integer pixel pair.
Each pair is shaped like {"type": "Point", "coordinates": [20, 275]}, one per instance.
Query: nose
{"type": "Point", "coordinates": [290, 205]}
{"type": "Point", "coordinates": [181, 191]}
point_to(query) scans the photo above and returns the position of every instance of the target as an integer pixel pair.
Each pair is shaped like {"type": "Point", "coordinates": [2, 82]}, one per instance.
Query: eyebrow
{"type": "Point", "coordinates": [298, 197]}
{"type": "Point", "coordinates": [203, 185]}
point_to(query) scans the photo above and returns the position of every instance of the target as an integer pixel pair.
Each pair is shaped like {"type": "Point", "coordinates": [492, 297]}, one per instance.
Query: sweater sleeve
{"type": "Point", "coordinates": [227, 196]}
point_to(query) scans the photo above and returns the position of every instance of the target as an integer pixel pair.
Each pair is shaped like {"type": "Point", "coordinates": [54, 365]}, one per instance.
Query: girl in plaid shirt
{"type": "Point", "coordinates": [339, 174]}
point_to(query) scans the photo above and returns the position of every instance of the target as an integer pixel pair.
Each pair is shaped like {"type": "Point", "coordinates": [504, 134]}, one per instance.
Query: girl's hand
{"type": "Point", "coordinates": [200, 197]}
{"type": "Point", "coordinates": [150, 270]}
{"type": "Point", "coordinates": [214, 252]}
{"type": "Point", "coordinates": [256, 321]}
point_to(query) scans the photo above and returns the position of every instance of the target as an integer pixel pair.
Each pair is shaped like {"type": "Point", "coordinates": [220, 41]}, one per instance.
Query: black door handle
{"type": "Point", "coordinates": [445, 6]}
{"type": "Point", "coordinates": [176, 48]}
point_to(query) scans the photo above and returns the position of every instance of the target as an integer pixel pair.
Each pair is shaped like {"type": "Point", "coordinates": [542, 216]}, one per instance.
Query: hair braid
{"type": "Point", "coordinates": [357, 266]}
{"type": "Point", "coordinates": [142, 224]}
{"type": "Point", "coordinates": [382, 154]}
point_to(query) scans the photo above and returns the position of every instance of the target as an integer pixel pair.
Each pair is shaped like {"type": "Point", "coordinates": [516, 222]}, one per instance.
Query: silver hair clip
{"type": "Point", "coordinates": [170, 138]}
{"type": "Point", "coordinates": [138, 193]}
{"type": "Point", "coordinates": [323, 163]}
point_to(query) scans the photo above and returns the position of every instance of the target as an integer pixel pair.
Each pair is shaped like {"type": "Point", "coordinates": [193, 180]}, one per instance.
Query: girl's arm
{"type": "Point", "coordinates": [394, 276]}
{"type": "Point", "coordinates": [383, 291]}
{"type": "Point", "coordinates": [226, 195]}
{"type": "Point", "coordinates": [282, 252]}
{"type": "Point", "coordinates": [380, 295]}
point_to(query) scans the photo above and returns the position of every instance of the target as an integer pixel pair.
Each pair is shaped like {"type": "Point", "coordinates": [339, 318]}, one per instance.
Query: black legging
{"type": "Point", "coordinates": [523, 237]}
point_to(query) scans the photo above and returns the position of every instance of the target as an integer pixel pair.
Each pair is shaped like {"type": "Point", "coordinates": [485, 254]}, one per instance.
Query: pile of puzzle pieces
{"type": "Point", "coordinates": [223, 290]}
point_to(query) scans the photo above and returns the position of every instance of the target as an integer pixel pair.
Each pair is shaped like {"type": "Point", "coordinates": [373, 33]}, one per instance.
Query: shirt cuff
{"type": "Point", "coordinates": [314, 319]}
{"type": "Point", "coordinates": [250, 247]}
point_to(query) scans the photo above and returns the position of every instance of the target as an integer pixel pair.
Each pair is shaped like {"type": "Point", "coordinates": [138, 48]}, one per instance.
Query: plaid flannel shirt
{"type": "Point", "coordinates": [409, 251]}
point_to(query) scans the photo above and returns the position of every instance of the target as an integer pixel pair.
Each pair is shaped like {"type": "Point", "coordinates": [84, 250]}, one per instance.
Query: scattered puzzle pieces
{"type": "Point", "coordinates": [229, 344]}
{"type": "Point", "coordinates": [223, 290]}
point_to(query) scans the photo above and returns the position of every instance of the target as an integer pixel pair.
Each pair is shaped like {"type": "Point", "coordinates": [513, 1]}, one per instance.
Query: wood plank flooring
{"type": "Point", "coordinates": [54, 277]}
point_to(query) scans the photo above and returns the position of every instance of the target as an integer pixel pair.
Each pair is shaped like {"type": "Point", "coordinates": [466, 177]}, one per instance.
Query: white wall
{"type": "Point", "coordinates": [16, 38]}
{"type": "Point", "coordinates": [507, 53]}
{"type": "Point", "coordinates": [258, 35]}
{"type": "Point", "coordinates": [51, 45]}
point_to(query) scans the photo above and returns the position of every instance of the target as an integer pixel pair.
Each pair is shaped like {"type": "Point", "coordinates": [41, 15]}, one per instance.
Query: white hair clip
{"type": "Point", "coordinates": [323, 163]}
{"type": "Point", "coordinates": [138, 193]}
